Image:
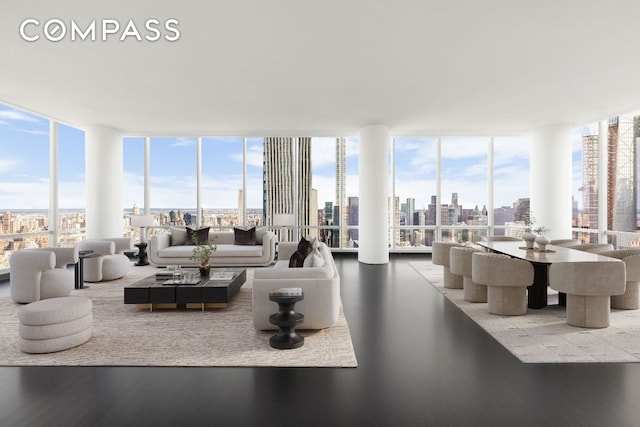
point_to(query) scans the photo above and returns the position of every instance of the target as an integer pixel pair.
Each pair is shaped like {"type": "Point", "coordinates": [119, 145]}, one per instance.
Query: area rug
{"type": "Point", "coordinates": [543, 336]}
{"type": "Point", "coordinates": [126, 336]}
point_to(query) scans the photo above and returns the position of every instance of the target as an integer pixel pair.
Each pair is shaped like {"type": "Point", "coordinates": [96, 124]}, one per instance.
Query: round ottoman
{"type": "Point", "coordinates": [54, 324]}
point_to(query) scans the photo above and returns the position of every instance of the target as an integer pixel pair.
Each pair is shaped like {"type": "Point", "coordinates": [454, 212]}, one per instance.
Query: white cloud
{"type": "Point", "coordinates": [184, 142]}
{"type": "Point", "coordinates": [25, 195]}
{"type": "Point", "coordinates": [35, 131]}
{"type": "Point", "coordinates": [7, 165]}
{"type": "Point", "coordinates": [16, 115]}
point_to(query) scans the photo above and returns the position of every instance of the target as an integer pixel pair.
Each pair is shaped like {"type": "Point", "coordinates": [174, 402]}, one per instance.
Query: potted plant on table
{"type": "Point", "coordinates": [542, 240]}
{"type": "Point", "coordinates": [201, 254]}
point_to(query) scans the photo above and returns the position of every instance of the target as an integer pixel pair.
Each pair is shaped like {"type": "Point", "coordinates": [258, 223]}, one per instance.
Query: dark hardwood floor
{"type": "Point", "coordinates": [422, 362]}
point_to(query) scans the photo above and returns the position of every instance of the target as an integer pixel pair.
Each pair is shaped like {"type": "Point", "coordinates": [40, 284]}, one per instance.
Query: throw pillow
{"type": "Point", "coordinates": [260, 232]}
{"type": "Point", "coordinates": [314, 259]}
{"type": "Point", "coordinates": [178, 236]}
{"type": "Point", "coordinates": [304, 249]}
{"type": "Point", "coordinates": [244, 237]}
{"type": "Point", "coordinates": [198, 236]}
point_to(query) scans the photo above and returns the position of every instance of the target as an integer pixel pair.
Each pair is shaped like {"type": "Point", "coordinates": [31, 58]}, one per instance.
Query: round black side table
{"type": "Point", "coordinates": [286, 319]}
{"type": "Point", "coordinates": [142, 254]}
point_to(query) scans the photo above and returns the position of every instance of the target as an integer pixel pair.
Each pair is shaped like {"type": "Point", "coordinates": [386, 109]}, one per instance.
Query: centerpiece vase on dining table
{"type": "Point", "coordinates": [529, 238]}
{"type": "Point", "coordinates": [542, 242]}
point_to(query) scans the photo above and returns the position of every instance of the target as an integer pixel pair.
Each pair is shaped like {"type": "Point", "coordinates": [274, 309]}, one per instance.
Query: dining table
{"type": "Point", "coordinates": [541, 261]}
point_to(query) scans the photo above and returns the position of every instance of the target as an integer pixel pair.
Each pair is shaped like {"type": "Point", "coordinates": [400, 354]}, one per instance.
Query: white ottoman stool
{"type": "Point", "coordinates": [54, 324]}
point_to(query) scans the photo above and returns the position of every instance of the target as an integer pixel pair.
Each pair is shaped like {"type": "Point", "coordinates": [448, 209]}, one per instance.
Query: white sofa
{"type": "Point", "coordinates": [162, 253]}
{"type": "Point", "coordinates": [321, 287]}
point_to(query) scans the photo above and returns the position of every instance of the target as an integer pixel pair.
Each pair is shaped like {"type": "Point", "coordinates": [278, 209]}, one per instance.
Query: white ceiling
{"type": "Point", "coordinates": [260, 67]}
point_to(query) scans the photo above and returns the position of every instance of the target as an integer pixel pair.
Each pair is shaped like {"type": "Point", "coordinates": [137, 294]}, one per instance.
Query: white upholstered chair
{"type": "Point", "coordinates": [460, 259]}
{"type": "Point", "coordinates": [111, 264]}
{"type": "Point", "coordinates": [592, 247]}
{"type": "Point", "coordinates": [564, 242]}
{"type": "Point", "coordinates": [506, 279]}
{"type": "Point", "coordinates": [501, 239]}
{"type": "Point", "coordinates": [630, 300]}
{"type": "Point", "coordinates": [36, 274]}
{"type": "Point", "coordinates": [440, 256]}
{"type": "Point", "coordinates": [589, 286]}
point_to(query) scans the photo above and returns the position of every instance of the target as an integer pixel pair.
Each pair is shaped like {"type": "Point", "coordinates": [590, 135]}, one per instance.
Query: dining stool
{"type": "Point", "coordinates": [506, 279]}
{"type": "Point", "coordinates": [440, 256]}
{"type": "Point", "coordinates": [589, 286]}
{"type": "Point", "coordinates": [461, 264]}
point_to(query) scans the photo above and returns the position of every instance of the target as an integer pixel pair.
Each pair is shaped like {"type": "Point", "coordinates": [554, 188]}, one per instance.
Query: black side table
{"type": "Point", "coordinates": [286, 319]}
{"type": "Point", "coordinates": [79, 268]}
{"type": "Point", "coordinates": [142, 254]}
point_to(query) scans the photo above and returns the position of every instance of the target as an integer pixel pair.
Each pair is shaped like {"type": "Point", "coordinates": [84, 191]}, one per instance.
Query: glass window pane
{"type": "Point", "coordinates": [510, 185]}
{"type": "Point", "coordinates": [24, 181]}
{"type": "Point", "coordinates": [221, 187]}
{"type": "Point", "coordinates": [71, 186]}
{"type": "Point", "coordinates": [132, 182]}
{"type": "Point", "coordinates": [464, 187]}
{"type": "Point", "coordinates": [173, 180]}
{"type": "Point", "coordinates": [255, 182]}
{"type": "Point", "coordinates": [415, 191]}
{"type": "Point", "coordinates": [585, 180]}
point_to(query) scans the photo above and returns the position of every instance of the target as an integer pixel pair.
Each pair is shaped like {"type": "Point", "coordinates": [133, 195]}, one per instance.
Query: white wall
{"type": "Point", "coordinates": [104, 177]}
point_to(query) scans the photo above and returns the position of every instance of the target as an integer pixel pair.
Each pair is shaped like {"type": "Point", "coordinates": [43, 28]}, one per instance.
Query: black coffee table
{"type": "Point", "coordinates": [153, 292]}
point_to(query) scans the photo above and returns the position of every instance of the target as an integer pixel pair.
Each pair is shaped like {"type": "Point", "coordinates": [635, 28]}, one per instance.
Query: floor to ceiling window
{"type": "Point", "coordinates": [464, 188]}
{"type": "Point", "coordinates": [72, 218]}
{"type": "Point", "coordinates": [510, 185]}
{"type": "Point", "coordinates": [254, 198]}
{"type": "Point", "coordinates": [173, 180]}
{"type": "Point", "coordinates": [585, 189]}
{"type": "Point", "coordinates": [222, 201]}
{"type": "Point", "coordinates": [24, 182]}
{"type": "Point", "coordinates": [414, 214]}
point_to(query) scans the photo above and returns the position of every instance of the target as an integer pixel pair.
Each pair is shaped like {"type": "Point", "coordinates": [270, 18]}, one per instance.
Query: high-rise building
{"type": "Point", "coordinates": [621, 197]}
{"type": "Point", "coordinates": [241, 209]}
{"type": "Point", "coordinates": [410, 209]}
{"type": "Point", "coordinates": [287, 179]}
{"type": "Point", "coordinates": [340, 217]}
{"type": "Point", "coordinates": [590, 180]}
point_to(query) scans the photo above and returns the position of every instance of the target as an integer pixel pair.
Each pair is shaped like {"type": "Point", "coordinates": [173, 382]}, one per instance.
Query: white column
{"type": "Point", "coordinates": [53, 183]}
{"type": "Point", "coordinates": [199, 219]}
{"type": "Point", "coordinates": [550, 179]}
{"type": "Point", "coordinates": [147, 175]}
{"type": "Point", "coordinates": [490, 196]}
{"type": "Point", "coordinates": [374, 195]}
{"type": "Point", "coordinates": [104, 182]}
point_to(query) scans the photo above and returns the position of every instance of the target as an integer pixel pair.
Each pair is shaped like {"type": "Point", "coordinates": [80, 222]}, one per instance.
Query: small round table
{"type": "Point", "coordinates": [286, 319]}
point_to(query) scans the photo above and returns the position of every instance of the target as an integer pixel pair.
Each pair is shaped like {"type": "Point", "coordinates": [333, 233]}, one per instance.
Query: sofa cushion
{"type": "Point", "coordinates": [200, 235]}
{"type": "Point", "coordinates": [244, 237]}
{"type": "Point", "coordinates": [179, 236]}
{"type": "Point", "coordinates": [186, 251]}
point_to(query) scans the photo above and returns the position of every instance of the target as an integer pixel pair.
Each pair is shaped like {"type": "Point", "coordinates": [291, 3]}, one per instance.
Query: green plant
{"type": "Point", "coordinates": [202, 251]}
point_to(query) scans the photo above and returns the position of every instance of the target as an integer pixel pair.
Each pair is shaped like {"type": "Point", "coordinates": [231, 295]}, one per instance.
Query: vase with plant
{"type": "Point", "coordinates": [542, 240]}
{"type": "Point", "coordinates": [528, 236]}
{"type": "Point", "coordinates": [201, 254]}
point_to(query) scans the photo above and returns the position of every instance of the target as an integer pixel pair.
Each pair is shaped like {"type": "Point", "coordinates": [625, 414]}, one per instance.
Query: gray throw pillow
{"type": "Point", "coordinates": [178, 236]}
{"type": "Point", "coordinates": [244, 237]}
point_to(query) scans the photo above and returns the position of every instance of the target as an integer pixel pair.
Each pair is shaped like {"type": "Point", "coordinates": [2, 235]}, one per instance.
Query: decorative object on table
{"type": "Point", "coordinates": [529, 236]}
{"type": "Point", "coordinates": [286, 319]}
{"type": "Point", "coordinates": [284, 221]}
{"type": "Point", "coordinates": [542, 240]}
{"type": "Point", "coordinates": [201, 253]}
{"type": "Point", "coordinates": [142, 221]}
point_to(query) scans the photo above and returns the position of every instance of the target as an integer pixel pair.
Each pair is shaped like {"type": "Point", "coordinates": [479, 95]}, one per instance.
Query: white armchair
{"type": "Point", "coordinates": [111, 264]}
{"type": "Point", "coordinates": [41, 273]}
